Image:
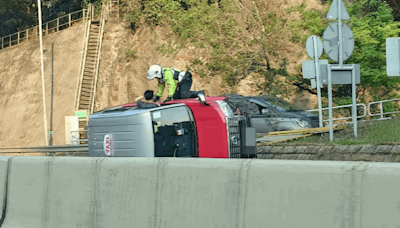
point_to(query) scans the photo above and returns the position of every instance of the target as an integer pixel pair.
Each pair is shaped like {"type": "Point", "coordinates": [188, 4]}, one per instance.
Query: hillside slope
{"type": "Point", "coordinates": [21, 87]}
{"type": "Point", "coordinates": [123, 78]}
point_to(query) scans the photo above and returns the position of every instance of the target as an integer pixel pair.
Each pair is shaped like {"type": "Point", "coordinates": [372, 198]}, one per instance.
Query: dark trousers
{"type": "Point", "coordinates": [183, 90]}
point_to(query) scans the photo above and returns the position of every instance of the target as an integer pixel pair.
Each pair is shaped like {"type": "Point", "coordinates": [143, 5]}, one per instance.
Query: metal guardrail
{"type": "Point", "coordinates": [56, 24]}
{"type": "Point", "coordinates": [46, 149]}
{"type": "Point", "coordinates": [380, 103]}
{"type": "Point", "coordinates": [343, 106]}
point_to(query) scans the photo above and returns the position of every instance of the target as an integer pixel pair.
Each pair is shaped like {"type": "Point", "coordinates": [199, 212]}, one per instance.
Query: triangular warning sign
{"type": "Point", "coordinates": [333, 11]}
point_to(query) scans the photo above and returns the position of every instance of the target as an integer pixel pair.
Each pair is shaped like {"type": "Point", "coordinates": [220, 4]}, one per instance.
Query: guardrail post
{"type": "Point", "coordinates": [2, 42]}
{"type": "Point", "coordinates": [27, 35]}
{"type": "Point", "coordinates": [47, 28]}
{"type": "Point", "coordinates": [36, 32]}
{"type": "Point", "coordinates": [10, 41]}
{"type": "Point", "coordinates": [83, 15]}
{"type": "Point", "coordinates": [381, 109]}
{"type": "Point", "coordinates": [58, 24]}
{"type": "Point", "coordinates": [18, 37]}
{"type": "Point", "coordinates": [69, 20]}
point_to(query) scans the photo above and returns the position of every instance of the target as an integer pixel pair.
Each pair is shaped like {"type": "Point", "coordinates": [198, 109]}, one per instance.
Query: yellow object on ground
{"type": "Point", "coordinates": [282, 136]}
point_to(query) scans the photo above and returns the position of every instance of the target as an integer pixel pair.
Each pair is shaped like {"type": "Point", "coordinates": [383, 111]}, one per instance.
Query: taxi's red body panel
{"type": "Point", "coordinates": [211, 126]}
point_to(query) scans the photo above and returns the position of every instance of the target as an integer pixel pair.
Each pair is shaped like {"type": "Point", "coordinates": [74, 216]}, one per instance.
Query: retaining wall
{"type": "Point", "coordinates": [374, 153]}
{"type": "Point", "coordinates": [196, 192]}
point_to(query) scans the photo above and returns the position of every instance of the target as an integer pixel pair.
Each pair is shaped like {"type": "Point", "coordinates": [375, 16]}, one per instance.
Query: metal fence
{"type": "Point", "coordinates": [380, 105]}
{"type": "Point", "coordinates": [375, 108]}
{"type": "Point", "coordinates": [55, 25]}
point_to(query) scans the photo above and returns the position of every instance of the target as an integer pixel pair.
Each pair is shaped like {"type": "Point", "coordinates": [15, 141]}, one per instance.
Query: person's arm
{"type": "Point", "coordinates": [161, 87]}
{"type": "Point", "coordinates": [139, 98]}
{"type": "Point", "coordinates": [169, 79]}
{"type": "Point", "coordinates": [144, 105]}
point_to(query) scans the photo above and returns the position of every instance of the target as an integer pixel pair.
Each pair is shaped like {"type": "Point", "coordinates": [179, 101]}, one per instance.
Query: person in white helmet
{"type": "Point", "coordinates": [179, 83]}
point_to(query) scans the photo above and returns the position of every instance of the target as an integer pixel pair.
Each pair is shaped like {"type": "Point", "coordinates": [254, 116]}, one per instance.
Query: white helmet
{"type": "Point", "coordinates": [154, 72]}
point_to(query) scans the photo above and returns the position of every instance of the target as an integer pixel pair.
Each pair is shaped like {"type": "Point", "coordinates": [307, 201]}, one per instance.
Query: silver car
{"type": "Point", "coordinates": [269, 114]}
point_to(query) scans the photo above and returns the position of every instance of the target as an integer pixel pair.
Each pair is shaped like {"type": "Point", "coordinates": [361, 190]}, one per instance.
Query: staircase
{"type": "Point", "coordinates": [90, 68]}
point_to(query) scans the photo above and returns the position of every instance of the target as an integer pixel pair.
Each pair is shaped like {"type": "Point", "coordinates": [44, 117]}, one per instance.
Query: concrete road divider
{"type": "Point", "coordinates": [4, 162]}
{"type": "Point", "coordinates": [184, 192]}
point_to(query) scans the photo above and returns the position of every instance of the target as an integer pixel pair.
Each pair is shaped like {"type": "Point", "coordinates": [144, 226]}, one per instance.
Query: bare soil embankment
{"type": "Point", "coordinates": [123, 78]}
{"type": "Point", "coordinates": [21, 97]}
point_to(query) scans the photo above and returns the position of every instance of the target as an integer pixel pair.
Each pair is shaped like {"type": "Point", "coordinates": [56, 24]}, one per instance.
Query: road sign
{"type": "Point", "coordinates": [333, 11]}
{"type": "Point", "coordinates": [393, 56]}
{"type": "Point", "coordinates": [339, 77]}
{"type": "Point", "coordinates": [331, 41]}
{"type": "Point", "coordinates": [308, 67]}
{"type": "Point", "coordinates": [310, 47]}
{"type": "Point", "coordinates": [312, 68]}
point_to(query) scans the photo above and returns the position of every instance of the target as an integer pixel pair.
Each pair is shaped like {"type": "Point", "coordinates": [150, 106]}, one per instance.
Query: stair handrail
{"type": "Point", "coordinates": [99, 44]}
{"type": "Point", "coordinates": [82, 65]}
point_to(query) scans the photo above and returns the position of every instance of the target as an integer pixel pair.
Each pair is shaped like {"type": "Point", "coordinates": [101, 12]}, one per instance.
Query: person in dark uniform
{"type": "Point", "coordinates": [148, 95]}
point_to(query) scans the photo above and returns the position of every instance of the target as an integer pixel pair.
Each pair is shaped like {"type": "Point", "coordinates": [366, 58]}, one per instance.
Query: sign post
{"type": "Point", "coordinates": [330, 103]}
{"type": "Point", "coordinates": [318, 79]}
{"type": "Point", "coordinates": [338, 44]}
{"type": "Point", "coordinates": [312, 70]}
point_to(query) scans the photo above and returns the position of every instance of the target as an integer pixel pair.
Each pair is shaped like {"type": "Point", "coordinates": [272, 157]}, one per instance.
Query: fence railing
{"type": "Point", "coordinates": [55, 25]}
{"type": "Point", "coordinates": [363, 106]}
{"type": "Point", "coordinates": [365, 110]}
{"type": "Point", "coordinates": [381, 106]}
{"type": "Point", "coordinates": [78, 140]}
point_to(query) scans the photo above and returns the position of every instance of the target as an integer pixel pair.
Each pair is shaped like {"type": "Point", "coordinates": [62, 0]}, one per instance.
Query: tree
{"type": "Point", "coordinates": [372, 22]}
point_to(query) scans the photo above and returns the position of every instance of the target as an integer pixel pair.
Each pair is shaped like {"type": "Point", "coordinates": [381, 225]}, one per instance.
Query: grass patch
{"type": "Point", "coordinates": [369, 132]}
{"type": "Point", "coordinates": [127, 54]}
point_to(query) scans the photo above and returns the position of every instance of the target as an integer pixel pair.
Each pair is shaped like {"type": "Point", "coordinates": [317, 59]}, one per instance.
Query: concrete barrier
{"type": "Point", "coordinates": [3, 184]}
{"type": "Point", "coordinates": [193, 192]}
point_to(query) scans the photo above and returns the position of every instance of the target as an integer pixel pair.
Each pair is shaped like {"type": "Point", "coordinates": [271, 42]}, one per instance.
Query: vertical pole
{"type": "Point", "coordinates": [381, 109]}
{"type": "Point", "coordinates": [2, 42]}
{"type": "Point", "coordinates": [27, 35]}
{"type": "Point", "coordinates": [18, 37]}
{"type": "Point", "coordinates": [52, 96]}
{"type": "Point", "coordinates": [330, 102]}
{"type": "Point", "coordinates": [58, 24]}
{"type": "Point", "coordinates": [89, 12]}
{"type": "Point", "coordinates": [36, 32]}
{"type": "Point", "coordinates": [340, 33]}
{"type": "Point", "coordinates": [316, 61]}
{"type": "Point", "coordinates": [83, 15]}
{"type": "Point", "coordinates": [42, 69]}
{"type": "Point", "coordinates": [69, 20]}
{"type": "Point", "coordinates": [47, 28]}
{"type": "Point", "coordinates": [9, 41]}
{"type": "Point", "coordinates": [354, 95]}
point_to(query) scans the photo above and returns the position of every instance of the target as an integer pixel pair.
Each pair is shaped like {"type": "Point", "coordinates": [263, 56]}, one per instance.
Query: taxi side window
{"type": "Point", "coordinates": [173, 132]}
